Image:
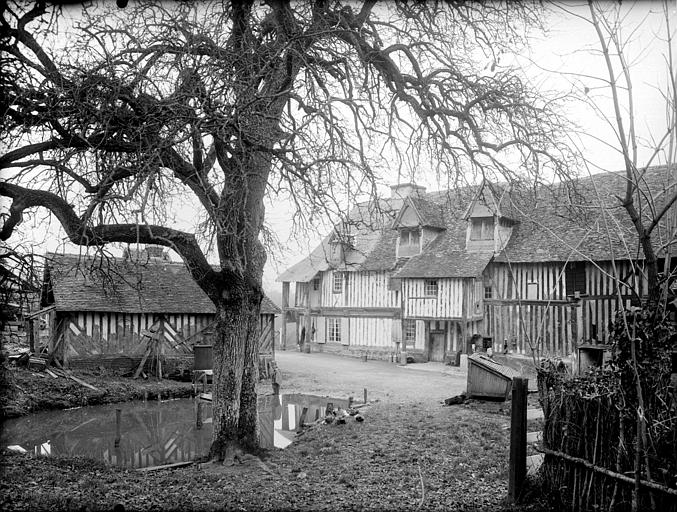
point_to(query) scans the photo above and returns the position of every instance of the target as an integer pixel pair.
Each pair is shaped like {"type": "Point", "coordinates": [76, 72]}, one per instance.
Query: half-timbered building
{"type": "Point", "coordinates": [104, 310]}
{"type": "Point", "coordinates": [425, 274]}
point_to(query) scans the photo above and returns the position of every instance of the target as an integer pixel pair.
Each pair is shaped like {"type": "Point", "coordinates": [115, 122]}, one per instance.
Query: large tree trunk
{"type": "Point", "coordinates": [235, 376]}
{"type": "Point", "coordinates": [248, 427]}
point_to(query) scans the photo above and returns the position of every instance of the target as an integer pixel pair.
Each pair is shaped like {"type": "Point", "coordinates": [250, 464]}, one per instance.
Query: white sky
{"type": "Point", "coordinates": [565, 49]}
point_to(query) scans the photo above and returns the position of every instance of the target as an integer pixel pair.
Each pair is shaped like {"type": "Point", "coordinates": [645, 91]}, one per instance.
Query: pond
{"type": "Point", "coordinates": [151, 433]}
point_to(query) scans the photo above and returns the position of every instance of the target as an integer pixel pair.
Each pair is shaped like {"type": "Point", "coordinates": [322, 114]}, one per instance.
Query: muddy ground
{"type": "Point", "coordinates": [410, 453]}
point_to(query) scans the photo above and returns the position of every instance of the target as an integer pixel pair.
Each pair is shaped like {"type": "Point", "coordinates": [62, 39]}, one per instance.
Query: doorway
{"type": "Point", "coordinates": [436, 350]}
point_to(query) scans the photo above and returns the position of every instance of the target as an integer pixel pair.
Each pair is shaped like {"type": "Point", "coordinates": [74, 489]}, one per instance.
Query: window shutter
{"type": "Point", "coordinates": [345, 331]}
{"type": "Point", "coordinates": [320, 330]}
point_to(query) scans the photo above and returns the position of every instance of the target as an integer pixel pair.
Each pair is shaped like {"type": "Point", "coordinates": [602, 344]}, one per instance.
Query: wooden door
{"type": "Point", "coordinates": [437, 346]}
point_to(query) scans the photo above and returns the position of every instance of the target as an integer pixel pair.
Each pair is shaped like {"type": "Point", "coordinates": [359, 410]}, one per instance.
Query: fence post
{"type": "Point", "coordinates": [118, 415]}
{"type": "Point", "coordinates": [518, 439]}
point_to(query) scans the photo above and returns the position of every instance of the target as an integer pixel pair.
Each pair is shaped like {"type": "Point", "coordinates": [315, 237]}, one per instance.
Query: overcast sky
{"type": "Point", "coordinates": [566, 59]}
{"type": "Point", "coordinates": [562, 60]}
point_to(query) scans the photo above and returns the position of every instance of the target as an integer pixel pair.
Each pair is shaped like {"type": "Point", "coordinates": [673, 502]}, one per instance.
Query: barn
{"type": "Point", "coordinates": [104, 311]}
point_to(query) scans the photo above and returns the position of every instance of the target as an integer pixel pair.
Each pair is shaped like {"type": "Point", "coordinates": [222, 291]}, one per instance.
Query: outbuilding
{"type": "Point", "coordinates": [103, 311]}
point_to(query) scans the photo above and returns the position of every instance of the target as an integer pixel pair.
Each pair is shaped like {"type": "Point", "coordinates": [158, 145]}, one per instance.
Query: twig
{"type": "Point", "coordinates": [618, 476]}
{"type": "Point", "coordinates": [420, 475]}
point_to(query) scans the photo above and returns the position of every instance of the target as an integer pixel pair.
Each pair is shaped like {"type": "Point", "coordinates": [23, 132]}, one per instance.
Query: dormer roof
{"type": "Point", "coordinates": [428, 213]}
{"type": "Point", "coordinates": [487, 201]}
{"type": "Point", "coordinates": [553, 223]}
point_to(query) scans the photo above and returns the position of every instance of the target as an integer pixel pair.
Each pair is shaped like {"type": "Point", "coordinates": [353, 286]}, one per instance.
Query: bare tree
{"type": "Point", "coordinates": [613, 97]}
{"type": "Point", "coordinates": [227, 102]}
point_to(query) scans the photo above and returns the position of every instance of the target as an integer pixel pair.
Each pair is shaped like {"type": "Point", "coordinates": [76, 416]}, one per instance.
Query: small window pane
{"type": "Point", "coordinates": [334, 330]}
{"type": "Point", "coordinates": [431, 287]}
{"type": "Point", "coordinates": [410, 331]}
{"type": "Point", "coordinates": [338, 282]}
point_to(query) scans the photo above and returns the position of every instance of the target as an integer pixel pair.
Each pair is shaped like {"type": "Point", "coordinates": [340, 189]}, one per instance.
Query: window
{"type": "Point", "coordinates": [316, 284]}
{"type": "Point", "coordinates": [488, 291]}
{"type": "Point", "coordinates": [338, 282]}
{"type": "Point", "coordinates": [410, 237]}
{"type": "Point", "coordinates": [575, 277]}
{"type": "Point", "coordinates": [532, 290]}
{"type": "Point", "coordinates": [482, 228]}
{"type": "Point", "coordinates": [409, 243]}
{"type": "Point", "coordinates": [334, 330]}
{"type": "Point", "coordinates": [409, 332]}
{"type": "Point", "coordinates": [430, 288]}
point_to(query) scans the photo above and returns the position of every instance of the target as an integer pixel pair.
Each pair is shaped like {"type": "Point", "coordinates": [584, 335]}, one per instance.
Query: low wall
{"type": "Point", "coordinates": [359, 351]}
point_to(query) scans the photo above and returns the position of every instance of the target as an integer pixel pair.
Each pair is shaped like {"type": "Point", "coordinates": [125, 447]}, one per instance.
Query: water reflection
{"type": "Point", "coordinates": [151, 433]}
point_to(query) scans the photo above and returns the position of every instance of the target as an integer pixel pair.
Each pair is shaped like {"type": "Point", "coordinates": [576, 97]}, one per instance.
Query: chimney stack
{"type": "Point", "coordinates": [399, 192]}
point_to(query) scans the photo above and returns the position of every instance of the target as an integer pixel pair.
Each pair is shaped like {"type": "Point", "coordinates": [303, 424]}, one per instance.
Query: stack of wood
{"type": "Point", "coordinates": [154, 341]}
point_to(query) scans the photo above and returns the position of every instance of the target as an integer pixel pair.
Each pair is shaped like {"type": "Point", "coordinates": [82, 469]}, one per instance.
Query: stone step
{"type": "Point", "coordinates": [534, 437]}
{"type": "Point", "coordinates": [534, 414]}
{"type": "Point", "coordinates": [533, 463]}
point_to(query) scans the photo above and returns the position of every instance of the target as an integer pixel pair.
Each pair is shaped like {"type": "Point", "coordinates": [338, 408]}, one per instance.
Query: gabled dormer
{"type": "Point", "coordinates": [341, 242]}
{"type": "Point", "coordinates": [418, 222]}
{"type": "Point", "coordinates": [489, 228]}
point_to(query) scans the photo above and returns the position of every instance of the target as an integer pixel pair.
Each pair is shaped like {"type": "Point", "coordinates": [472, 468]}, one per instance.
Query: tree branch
{"type": "Point", "coordinates": [81, 234]}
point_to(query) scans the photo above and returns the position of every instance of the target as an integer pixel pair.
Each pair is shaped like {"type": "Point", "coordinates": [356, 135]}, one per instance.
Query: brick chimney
{"type": "Point", "coordinates": [399, 192]}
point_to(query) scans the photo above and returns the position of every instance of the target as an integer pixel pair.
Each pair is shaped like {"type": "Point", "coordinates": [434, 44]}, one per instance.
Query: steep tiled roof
{"type": "Point", "coordinates": [585, 222]}
{"type": "Point", "coordinates": [559, 223]}
{"type": "Point", "coordinates": [113, 285]}
{"type": "Point", "coordinates": [446, 263]}
{"type": "Point", "coordinates": [432, 214]}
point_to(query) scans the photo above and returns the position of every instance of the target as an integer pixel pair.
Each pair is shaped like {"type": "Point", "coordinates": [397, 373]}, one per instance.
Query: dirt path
{"type": "Point", "coordinates": [338, 376]}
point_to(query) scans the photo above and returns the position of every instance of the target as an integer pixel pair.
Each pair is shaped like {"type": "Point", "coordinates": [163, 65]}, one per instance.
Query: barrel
{"type": "Point", "coordinates": [203, 355]}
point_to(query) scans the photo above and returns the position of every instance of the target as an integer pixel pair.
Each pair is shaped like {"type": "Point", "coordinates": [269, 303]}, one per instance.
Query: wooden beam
{"type": "Point", "coordinates": [517, 470]}
{"type": "Point", "coordinates": [285, 308]}
{"type": "Point", "coordinates": [307, 316]}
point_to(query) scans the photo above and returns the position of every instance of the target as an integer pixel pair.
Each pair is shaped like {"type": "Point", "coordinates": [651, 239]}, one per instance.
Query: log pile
{"type": "Point", "coordinates": [41, 364]}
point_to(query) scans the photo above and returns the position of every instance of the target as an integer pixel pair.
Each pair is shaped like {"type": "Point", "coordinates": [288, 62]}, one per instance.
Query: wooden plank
{"type": "Point", "coordinates": [143, 360]}
{"type": "Point", "coordinates": [167, 466]}
{"type": "Point", "coordinates": [82, 382]}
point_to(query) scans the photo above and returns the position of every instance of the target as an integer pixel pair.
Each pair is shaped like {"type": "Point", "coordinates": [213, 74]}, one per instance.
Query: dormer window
{"type": "Point", "coordinates": [410, 242]}
{"type": "Point", "coordinates": [482, 228]}
{"type": "Point", "coordinates": [410, 237]}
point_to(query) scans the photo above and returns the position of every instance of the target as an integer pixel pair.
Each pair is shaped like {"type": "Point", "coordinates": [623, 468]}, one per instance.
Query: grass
{"type": "Point", "coordinates": [422, 456]}
{"type": "Point", "coordinates": [405, 456]}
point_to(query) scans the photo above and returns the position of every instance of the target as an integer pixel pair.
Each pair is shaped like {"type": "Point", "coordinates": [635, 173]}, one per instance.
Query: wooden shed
{"type": "Point", "coordinates": [488, 378]}
{"type": "Point", "coordinates": [103, 310]}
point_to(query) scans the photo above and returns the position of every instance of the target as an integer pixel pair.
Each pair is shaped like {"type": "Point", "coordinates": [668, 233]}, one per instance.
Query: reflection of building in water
{"type": "Point", "coordinates": [152, 434]}
{"type": "Point", "coordinates": [286, 412]}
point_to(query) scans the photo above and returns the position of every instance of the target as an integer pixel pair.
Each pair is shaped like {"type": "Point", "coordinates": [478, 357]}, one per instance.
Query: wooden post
{"type": "Point", "coordinates": [579, 335]}
{"type": "Point", "coordinates": [30, 329]}
{"type": "Point", "coordinates": [118, 419]}
{"type": "Point", "coordinates": [284, 405]}
{"type": "Point", "coordinates": [350, 402]}
{"type": "Point", "coordinates": [306, 319]}
{"type": "Point", "coordinates": [285, 306]}
{"type": "Point", "coordinates": [517, 470]}
{"type": "Point", "coordinates": [198, 423]}
{"type": "Point", "coordinates": [302, 420]}
{"type": "Point", "coordinates": [365, 395]}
